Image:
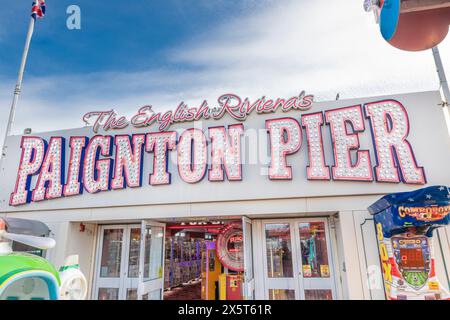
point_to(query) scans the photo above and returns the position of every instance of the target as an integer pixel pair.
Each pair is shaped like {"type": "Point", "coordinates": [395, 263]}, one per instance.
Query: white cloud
{"type": "Point", "coordinates": [321, 46]}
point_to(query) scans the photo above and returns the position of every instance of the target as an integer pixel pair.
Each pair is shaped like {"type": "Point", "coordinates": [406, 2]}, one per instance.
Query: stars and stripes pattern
{"type": "Point", "coordinates": [38, 9]}
{"type": "Point", "coordinates": [433, 195]}
{"type": "Point", "coordinates": [386, 209]}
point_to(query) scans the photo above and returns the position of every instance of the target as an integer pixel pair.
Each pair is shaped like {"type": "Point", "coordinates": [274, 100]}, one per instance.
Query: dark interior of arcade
{"type": "Point", "coordinates": [204, 260]}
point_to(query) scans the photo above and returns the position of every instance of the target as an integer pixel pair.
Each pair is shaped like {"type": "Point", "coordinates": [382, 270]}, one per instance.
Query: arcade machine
{"type": "Point", "coordinates": [405, 223]}
{"type": "Point", "coordinates": [182, 264]}
{"type": "Point", "coordinates": [211, 269]}
{"type": "Point", "coordinates": [231, 255]}
{"type": "Point", "coordinates": [223, 265]}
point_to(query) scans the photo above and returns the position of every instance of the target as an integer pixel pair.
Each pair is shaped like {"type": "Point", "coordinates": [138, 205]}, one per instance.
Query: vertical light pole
{"type": "Point", "coordinates": [18, 87]}
{"type": "Point", "coordinates": [445, 92]}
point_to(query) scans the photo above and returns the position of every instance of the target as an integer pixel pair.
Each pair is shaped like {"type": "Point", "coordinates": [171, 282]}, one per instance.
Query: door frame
{"type": "Point", "coordinates": [145, 287]}
{"type": "Point", "coordinates": [290, 284]}
{"type": "Point", "coordinates": [128, 282]}
{"type": "Point", "coordinates": [125, 254]}
{"type": "Point", "coordinates": [98, 257]}
{"type": "Point", "coordinates": [330, 253]}
{"type": "Point", "coordinates": [248, 250]}
{"type": "Point", "coordinates": [260, 261]}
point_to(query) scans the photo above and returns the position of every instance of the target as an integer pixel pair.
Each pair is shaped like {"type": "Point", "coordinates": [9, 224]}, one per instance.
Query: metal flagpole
{"type": "Point", "coordinates": [18, 87]}
{"type": "Point", "coordinates": [445, 92]}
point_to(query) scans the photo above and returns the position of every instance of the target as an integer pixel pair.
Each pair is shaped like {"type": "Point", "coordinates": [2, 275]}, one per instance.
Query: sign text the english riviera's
{"type": "Point", "coordinates": [231, 104]}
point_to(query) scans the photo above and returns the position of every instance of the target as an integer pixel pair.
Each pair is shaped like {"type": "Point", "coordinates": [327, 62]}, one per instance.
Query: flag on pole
{"type": "Point", "coordinates": [38, 9]}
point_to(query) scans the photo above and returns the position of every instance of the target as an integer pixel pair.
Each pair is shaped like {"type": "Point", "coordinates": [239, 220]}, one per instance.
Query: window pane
{"type": "Point", "coordinates": [314, 250]}
{"type": "Point", "coordinates": [154, 295]}
{"type": "Point", "coordinates": [133, 260]}
{"type": "Point", "coordinates": [20, 247]}
{"type": "Point", "coordinates": [108, 293]}
{"type": "Point", "coordinates": [131, 294]}
{"type": "Point", "coordinates": [278, 250]}
{"type": "Point", "coordinates": [318, 295]}
{"type": "Point", "coordinates": [281, 294]}
{"type": "Point", "coordinates": [154, 237]}
{"type": "Point", "coordinates": [111, 253]}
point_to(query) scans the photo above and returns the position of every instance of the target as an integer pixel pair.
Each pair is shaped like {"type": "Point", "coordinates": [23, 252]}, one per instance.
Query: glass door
{"type": "Point", "coordinates": [151, 261]}
{"type": "Point", "coordinates": [249, 279]}
{"type": "Point", "coordinates": [117, 272]}
{"type": "Point", "coordinates": [314, 258]}
{"type": "Point", "coordinates": [131, 274]}
{"type": "Point", "coordinates": [297, 260]}
{"type": "Point", "coordinates": [281, 280]}
{"type": "Point", "coordinates": [110, 263]}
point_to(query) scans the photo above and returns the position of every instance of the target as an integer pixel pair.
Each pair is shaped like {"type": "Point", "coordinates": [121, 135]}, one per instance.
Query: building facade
{"type": "Point", "coordinates": [297, 177]}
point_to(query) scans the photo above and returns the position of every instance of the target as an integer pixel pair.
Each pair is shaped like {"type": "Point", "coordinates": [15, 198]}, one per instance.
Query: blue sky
{"type": "Point", "coordinates": [138, 52]}
{"type": "Point", "coordinates": [115, 36]}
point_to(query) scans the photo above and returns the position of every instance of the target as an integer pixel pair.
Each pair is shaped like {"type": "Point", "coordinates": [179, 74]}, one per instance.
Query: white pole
{"type": "Point", "coordinates": [445, 92]}
{"type": "Point", "coordinates": [18, 87]}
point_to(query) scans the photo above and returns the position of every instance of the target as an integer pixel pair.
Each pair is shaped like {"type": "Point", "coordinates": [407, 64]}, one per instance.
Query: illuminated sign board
{"type": "Point", "coordinates": [230, 247]}
{"type": "Point", "coordinates": [113, 162]}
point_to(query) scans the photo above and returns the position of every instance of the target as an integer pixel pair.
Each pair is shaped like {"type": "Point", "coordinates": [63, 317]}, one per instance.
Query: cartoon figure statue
{"type": "Point", "coordinates": [73, 283]}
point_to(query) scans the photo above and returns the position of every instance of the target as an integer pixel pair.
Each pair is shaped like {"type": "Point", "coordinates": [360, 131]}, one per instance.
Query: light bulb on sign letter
{"type": "Point", "coordinates": [390, 128]}
{"type": "Point", "coordinates": [96, 171]}
{"type": "Point", "coordinates": [128, 161]}
{"type": "Point", "coordinates": [317, 169]}
{"type": "Point", "coordinates": [33, 151]}
{"type": "Point", "coordinates": [52, 172]}
{"type": "Point", "coordinates": [344, 142]}
{"type": "Point", "coordinates": [226, 153]}
{"type": "Point", "coordinates": [73, 184]}
{"type": "Point", "coordinates": [192, 155]}
{"type": "Point", "coordinates": [285, 137]}
{"type": "Point", "coordinates": [160, 143]}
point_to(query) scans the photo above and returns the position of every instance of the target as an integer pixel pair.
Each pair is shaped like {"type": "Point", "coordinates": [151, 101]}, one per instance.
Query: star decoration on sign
{"type": "Point", "coordinates": [441, 188]}
{"type": "Point", "coordinates": [428, 196]}
{"type": "Point", "coordinates": [411, 199]}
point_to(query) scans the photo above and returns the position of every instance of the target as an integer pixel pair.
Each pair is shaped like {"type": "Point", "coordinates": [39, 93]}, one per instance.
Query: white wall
{"type": "Point", "coordinates": [69, 241]}
{"type": "Point", "coordinates": [83, 244]}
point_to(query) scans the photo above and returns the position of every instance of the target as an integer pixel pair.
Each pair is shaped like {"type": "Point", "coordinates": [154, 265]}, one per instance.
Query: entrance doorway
{"type": "Point", "coordinates": [129, 264]}
{"type": "Point", "coordinates": [117, 269]}
{"type": "Point", "coordinates": [297, 260]}
{"type": "Point", "coordinates": [204, 260]}
{"type": "Point", "coordinates": [208, 259]}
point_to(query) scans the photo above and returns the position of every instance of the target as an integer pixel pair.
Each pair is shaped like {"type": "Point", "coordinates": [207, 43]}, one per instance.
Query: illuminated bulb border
{"type": "Point", "coordinates": [226, 155]}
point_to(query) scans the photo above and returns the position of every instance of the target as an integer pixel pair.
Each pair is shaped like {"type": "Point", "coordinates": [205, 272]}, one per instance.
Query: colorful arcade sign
{"type": "Point", "coordinates": [230, 247]}
{"type": "Point", "coordinates": [405, 223]}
